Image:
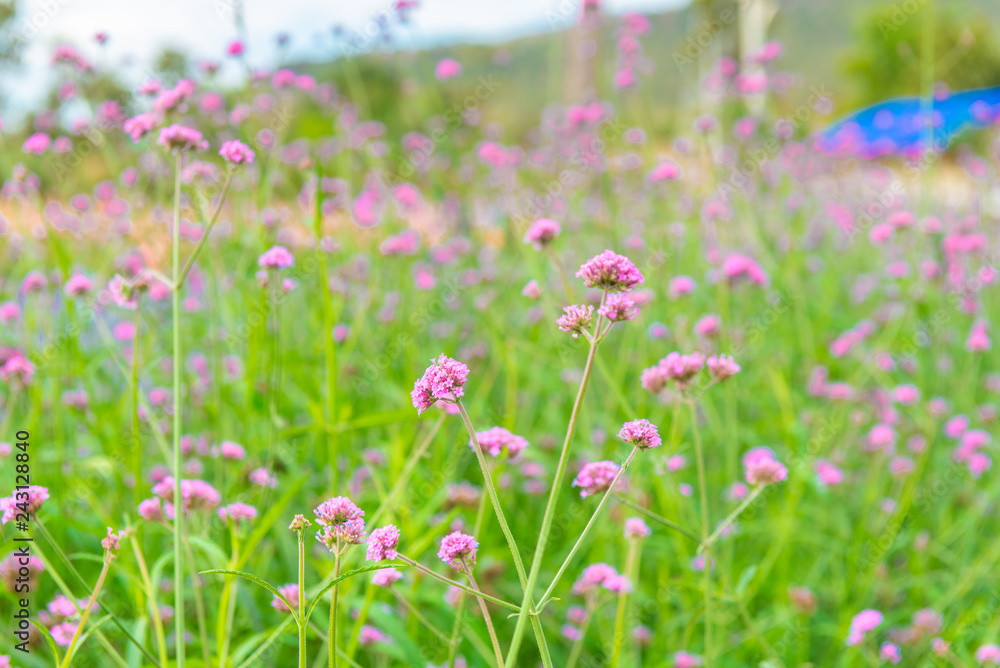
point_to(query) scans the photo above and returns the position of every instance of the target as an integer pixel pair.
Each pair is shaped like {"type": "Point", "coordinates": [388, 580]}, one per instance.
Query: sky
{"type": "Point", "coordinates": [138, 30]}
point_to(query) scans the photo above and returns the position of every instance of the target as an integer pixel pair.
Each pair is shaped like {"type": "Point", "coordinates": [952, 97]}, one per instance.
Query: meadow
{"type": "Point", "coordinates": [594, 396]}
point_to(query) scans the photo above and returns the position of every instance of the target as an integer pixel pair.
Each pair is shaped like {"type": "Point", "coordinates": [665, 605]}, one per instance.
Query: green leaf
{"type": "Point", "coordinates": [49, 639]}
{"type": "Point", "coordinates": [745, 579]}
{"type": "Point", "coordinates": [252, 578]}
{"type": "Point", "coordinates": [330, 585]}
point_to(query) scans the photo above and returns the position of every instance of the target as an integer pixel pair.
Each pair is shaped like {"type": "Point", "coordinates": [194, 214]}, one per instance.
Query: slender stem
{"type": "Point", "coordinates": [136, 441]}
{"type": "Point", "coordinates": [199, 606]}
{"type": "Point", "coordinates": [154, 609]}
{"type": "Point", "coordinates": [562, 275]}
{"type": "Point", "coordinates": [404, 476]}
{"type": "Point", "coordinates": [178, 406]}
{"type": "Point", "coordinates": [179, 280]}
{"type": "Point", "coordinates": [630, 564]}
{"type": "Point", "coordinates": [302, 601]}
{"type": "Point", "coordinates": [657, 518]}
{"type": "Point", "coordinates": [590, 524]}
{"type": "Point", "coordinates": [456, 630]}
{"type": "Point", "coordinates": [420, 618]}
{"type": "Point", "coordinates": [707, 570]}
{"type": "Point", "coordinates": [426, 571]}
{"type": "Point", "coordinates": [486, 615]}
{"type": "Point", "coordinates": [491, 490]}
{"type": "Point", "coordinates": [86, 613]}
{"type": "Point", "coordinates": [550, 506]}
{"type": "Point", "coordinates": [731, 518]}
{"type": "Point", "coordinates": [329, 350]}
{"type": "Point", "coordinates": [332, 641]}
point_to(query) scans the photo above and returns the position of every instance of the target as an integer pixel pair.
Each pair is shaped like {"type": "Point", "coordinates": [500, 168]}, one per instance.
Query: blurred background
{"type": "Point", "coordinates": [856, 51]}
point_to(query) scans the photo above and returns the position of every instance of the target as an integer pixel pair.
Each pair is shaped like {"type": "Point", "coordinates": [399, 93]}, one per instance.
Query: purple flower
{"type": "Point", "coordinates": [442, 381]}
{"type": "Point", "coordinates": [496, 440]}
{"type": "Point", "coordinates": [595, 477]}
{"type": "Point", "coordinates": [139, 126]}
{"type": "Point", "coordinates": [640, 433]}
{"type": "Point", "coordinates": [182, 138]}
{"type": "Point", "coordinates": [382, 543]}
{"type": "Point", "coordinates": [611, 272]}
{"type": "Point", "coordinates": [276, 257]}
{"type": "Point", "coordinates": [236, 152]}
{"type": "Point", "coordinates": [575, 319]}
{"type": "Point", "coordinates": [458, 550]}
{"type": "Point", "coordinates": [619, 308]}
{"type": "Point", "coordinates": [541, 232]}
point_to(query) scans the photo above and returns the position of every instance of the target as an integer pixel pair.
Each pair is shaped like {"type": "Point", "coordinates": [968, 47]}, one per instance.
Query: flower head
{"type": "Point", "coordinates": [442, 381]}
{"type": "Point", "coordinates": [237, 512]}
{"type": "Point", "coordinates": [497, 440]}
{"type": "Point", "coordinates": [610, 271]}
{"type": "Point", "coordinates": [236, 152]}
{"type": "Point", "coordinates": [762, 468]}
{"type": "Point", "coordinates": [458, 550]}
{"type": "Point", "coordinates": [722, 367]}
{"type": "Point", "coordinates": [386, 577]}
{"type": "Point", "coordinates": [182, 138]}
{"type": "Point", "coordinates": [541, 232]}
{"type": "Point", "coordinates": [636, 528]}
{"type": "Point", "coordinates": [640, 433]}
{"type": "Point", "coordinates": [575, 319]}
{"type": "Point", "coordinates": [341, 521]}
{"type": "Point", "coordinates": [595, 477]}
{"type": "Point", "coordinates": [291, 594]}
{"type": "Point", "coordinates": [112, 542]}
{"type": "Point", "coordinates": [28, 501]}
{"type": "Point", "coordinates": [276, 257]}
{"type": "Point", "coordinates": [382, 543]}
{"type": "Point", "coordinates": [619, 308]}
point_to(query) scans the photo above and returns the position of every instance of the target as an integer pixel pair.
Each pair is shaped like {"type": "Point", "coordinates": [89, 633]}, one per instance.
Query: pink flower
{"type": "Point", "coordinates": [235, 48]}
{"type": "Point", "coordinates": [665, 171]}
{"type": "Point", "coordinates": [595, 477]}
{"type": "Point", "coordinates": [890, 652]}
{"type": "Point", "coordinates": [231, 450]}
{"type": "Point", "coordinates": [63, 633]}
{"type": "Point", "coordinates": [276, 257]}
{"type": "Point", "coordinates": [17, 370]}
{"type": "Point", "coordinates": [762, 468]}
{"type": "Point", "coordinates": [707, 326]}
{"type": "Point", "coordinates": [828, 473]}
{"type": "Point", "coordinates": [686, 660]}
{"type": "Point", "coordinates": [153, 510]}
{"type": "Point", "coordinates": [862, 623]}
{"type": "Point", "coordinates": [541, 232]}
{"type": "Point", "coordinates": [681, 285]}
{"type": "Point", "coordinates": [640, 433]}
{"type": "Point", "coordinates": [236, 152]}
{"type": "Point", "coordinates": [575, 319]}
{"type": "Point", "coordinates": [458, 550]}
{"type": "Point", "coordinates": [737, 266]}
{"type": "Point", "coordinates": [610, 272]}
{"type": "Point", "coordinates": [237, 512]}
{"type": "Point", "coordinates": [382, 543]}
{"type": "Point", "coordinates": [722, 367]}
{"type": "Point", "coordinates": [111, 543]}
{"type": "Point", "coordinates": [674, 367]}
{"type": "Point", "coordinates": [636, 528]}
{"type": "Point", "coordinates": [195, 494]}
{"type": "Point", "coordinates": [979, 339]}
{"type": "Point", "coordinates": [181, 138]}
{"type": "Point", "coordinates": [291, 593]}
{"type": "Point", "coordinates": [988, 654]}
{"type": "Point", "coordinates": [139, 126]}
{"type": "Point", "coordinates": [370, 635]}
{"type": "Point", "coordinates": [532, 290]}
{"type": "Point", "coordinates": [593, 577]}
{"type": "Point", "coordinates": [77, 285]}
{"type": "Point", "coordinates": [28, 500]}
{"type": "Point", "coordinates": [619, 308]}
{"type": "Point", "coordinates": [447, 69]}
{"type": "Point", "coordinates": [263, 478]}
{"type": "Point", "coordinates": [386, 577]}
{"type": "Point", "coordinates": [37, 143]}
{"type": "Point", "coordinates": [443, 380]}
{"type": "Point", "coordinates": [497, 440]}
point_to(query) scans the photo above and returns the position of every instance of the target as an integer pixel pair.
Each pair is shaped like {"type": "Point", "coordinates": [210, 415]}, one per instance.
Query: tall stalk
{"type": "Point", "coordinates": [486, 615]}
{"type": "Point", "coordinates": [631, 559]}
{"type": "Point", "coordinates": [550, 506]}
{"type": "Point", "coordinates": [333, 609]}
{"type": "Point", "coordinates": [136, 441]}
{"type": "Point", "coordinates": [178, 406]}
{"type": "Point", "coordinates": [707, 555]}
{"type": "Point", "coordinates": [86, 613]}
{"type": "Point", "coordinates": [302, 601]}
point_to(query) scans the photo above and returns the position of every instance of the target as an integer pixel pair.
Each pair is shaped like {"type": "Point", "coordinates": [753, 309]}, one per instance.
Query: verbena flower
{"type": "Point", "coordinates": [575, 319]}
{"type": "Point", "coordinates": [443, 380]}
{"type": "Point", "coordinates": [382, 543]}
{"type": "Point", "coordinates": [276, 257]}
{"type": "Point", "coordinates": [290, 592]}
{"type": "Point", "coordinates": [541, 232]}
{"type": "Point", "coordinates": [635, 527]}
{"type": "Point", "coordinates": [619, 308]}
{"type": "Point", "coordinates": [722, 367]}
{"type": "Point", "coordinates": [181, 138]}
{"type": "Point", "coordinates": [237, 512]}
{"type": "Point", "coordinates": [386, 577]}
{"type": "Point", "coordinates": [611, 272]}
{"type": "Point", "coordinates": [595, 477]}
{"type": "Point", "coordinates": [458, 550]}
{"type": "Point", "coordinates": [640, 433]}
{"type": "Point", "coordinates": [236, 152]}
{"type": "Point", "coordinates": [762, 468]}
{"type": "Point", "coordinates": [498, 440]}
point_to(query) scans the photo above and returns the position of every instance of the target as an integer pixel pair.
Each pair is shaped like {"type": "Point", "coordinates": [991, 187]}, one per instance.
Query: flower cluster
{"type": "Point", "coordinates": [181, 138]}
{"type": "Point", "coordinates": [576, 319]}
{"type": "Point", "coordinates": [676, 367]}
{"type": "Point", "coordinates": [601, 576]}
{"type": "Point", "coordinates": [342, 523]}
{"type": "Point", "coordinates": [382, 543]}
{"type": "Point", "coordinates": [442, 381]}
{"type": "Point", "coordinates": [640, 433]}
{"type": "Point", "coordinates": [762, 468]}
{"type": "Point", "coordinates": [498, 440]}
{"type": "Point", "coordinates": [610, 272]}
{"type": "Point", "coordinates": [458, 550]}
{"type": "Point", "coordinates": [595, 477]}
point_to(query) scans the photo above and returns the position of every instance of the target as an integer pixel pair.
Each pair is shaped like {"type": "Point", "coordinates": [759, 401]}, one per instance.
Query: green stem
{"type": "Point", "coordinates": [486, 615]}
{"type": "Point", "coordinates": [426, 571]}
{"type": "Point", "coordinates": [136, 441]}
{"type": "Point", "coordinates": [302, 601]}
{"type": "Point", "coordinates": [86, 613]}
{"type": "Point", "coordinates": [707, 570]}
{"type": "Point", "coordinates": [658, 518]}
{"type": "Point", "coordinates": [178, 407]}
{"type": "Point", "coordinates": [731, 518]}
{"type": "Point", "coordinates": [619, 642]}
{"type": "Point", "coordinates": [154, 609]}
{"type": "Point", "coordinates": [420, 618]}
{"type": "Point", "coordinates": [199, 606]}
{"type": "Point", "coordinates": [332, 641]}
{"type": "Point", "coordinates": [550, 506]}
{"type": "Point", "coordinates": [179, 280]}
{"type": "Point", "coordinates": [590, 525]}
